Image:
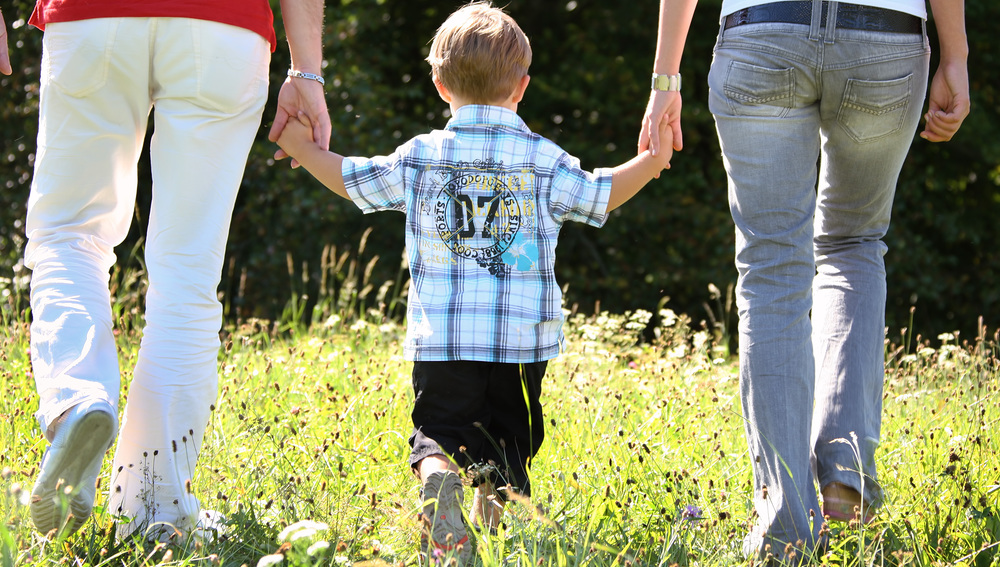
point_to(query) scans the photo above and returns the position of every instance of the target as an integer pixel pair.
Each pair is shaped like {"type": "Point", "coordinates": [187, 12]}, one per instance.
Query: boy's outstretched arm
{"type": "Point", "coordinates": [628, 178]}
{"type": "Point", "coordinates": [296, 140]}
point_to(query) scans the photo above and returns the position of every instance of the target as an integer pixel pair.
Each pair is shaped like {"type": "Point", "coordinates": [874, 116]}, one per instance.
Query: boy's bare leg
{"type": "Point", "coordinates": [487, 507]}
{"type": "Point", "coordinates": [434, 463]}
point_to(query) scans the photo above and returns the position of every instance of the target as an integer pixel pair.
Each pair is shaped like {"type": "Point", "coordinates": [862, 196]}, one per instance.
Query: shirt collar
{"type": "Point", "coordinates": [481, 115]}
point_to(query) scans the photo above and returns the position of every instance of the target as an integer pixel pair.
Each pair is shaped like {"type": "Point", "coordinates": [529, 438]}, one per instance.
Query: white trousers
{"type": "Point", "coordinates": [99, 80]}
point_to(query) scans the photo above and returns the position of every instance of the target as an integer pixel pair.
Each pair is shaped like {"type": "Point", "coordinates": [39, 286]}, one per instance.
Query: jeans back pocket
{"type": "Point", "coordinates": [874, 109]}
{"type": "Point", "coordinates": [752, 90]}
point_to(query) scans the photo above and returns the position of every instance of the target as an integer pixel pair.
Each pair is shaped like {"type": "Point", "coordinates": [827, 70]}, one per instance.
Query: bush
{"type": "Point", "coordinates": [588, 91]}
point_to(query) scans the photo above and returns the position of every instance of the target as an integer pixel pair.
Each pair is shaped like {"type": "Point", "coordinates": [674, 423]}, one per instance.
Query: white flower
{"type": "Point", "coordinates": [268, 560]}
{"type": "Point", "coordinates": [700, 339]}
{"type": "Point", "coordinates": [667, 317]}
{"type": "Point", "coordinates": [318, 547]}
{"type": "Point", "coordinates": [301, 529]}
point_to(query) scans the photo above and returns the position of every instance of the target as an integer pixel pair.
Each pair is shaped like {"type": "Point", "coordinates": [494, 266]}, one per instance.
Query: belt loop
{"type": "Point", "coordinates": [831, 21]}
{"type": "Point", "coordinates": [815, 23]}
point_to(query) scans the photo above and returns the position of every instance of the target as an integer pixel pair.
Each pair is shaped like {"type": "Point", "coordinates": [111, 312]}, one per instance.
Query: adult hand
{"type": "Point", "coordinates": [4, 54]}
{"type": "Point", "coordinates": [305, 96]}
{"type": "Point", "coordinates": [948, 102]}
{"type": "Point", "coordinates": [662, 106]}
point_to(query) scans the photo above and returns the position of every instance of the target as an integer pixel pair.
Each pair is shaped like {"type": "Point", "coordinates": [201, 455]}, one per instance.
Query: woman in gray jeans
{"type": "Point", "coordinates": [794, 84]}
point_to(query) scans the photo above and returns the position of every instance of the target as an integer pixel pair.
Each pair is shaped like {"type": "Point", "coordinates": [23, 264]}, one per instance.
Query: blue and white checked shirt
{"type": "Point", "coordinates": [484, 201]}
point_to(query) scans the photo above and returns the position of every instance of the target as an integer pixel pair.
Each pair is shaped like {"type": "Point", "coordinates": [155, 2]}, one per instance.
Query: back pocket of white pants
{"type": "Point", "coordinates": [874, 109]}
{"type": "Point", "coordinates": [76, 55]}
{"type": "Point", "coordinates": [232, 66]}
{"type": "Point", "coordinates": [752, 90]}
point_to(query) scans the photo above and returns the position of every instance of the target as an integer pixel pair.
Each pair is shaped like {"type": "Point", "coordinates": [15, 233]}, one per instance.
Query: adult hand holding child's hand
{"type": "Point", "coordinates": [295, 138]}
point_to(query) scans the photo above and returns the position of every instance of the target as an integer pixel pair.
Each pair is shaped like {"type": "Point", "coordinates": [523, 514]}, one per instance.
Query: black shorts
{"type": "Point", "coordinates": [485, 415]}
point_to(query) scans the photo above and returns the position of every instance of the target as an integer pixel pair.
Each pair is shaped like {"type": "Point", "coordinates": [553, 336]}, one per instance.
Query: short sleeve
{"type": "Point", "coordinates": [377, 183]}
{"type": "Point", "coordinates": [578, 195]}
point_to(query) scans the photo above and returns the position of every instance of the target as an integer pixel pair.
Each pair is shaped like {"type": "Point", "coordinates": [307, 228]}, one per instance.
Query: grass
{"type": "Point", "coordinates": [644, 461]}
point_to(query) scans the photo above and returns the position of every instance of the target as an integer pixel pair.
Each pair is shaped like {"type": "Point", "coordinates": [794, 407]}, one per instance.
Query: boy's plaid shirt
{"type": "Point", "coordinates": [484, 201]}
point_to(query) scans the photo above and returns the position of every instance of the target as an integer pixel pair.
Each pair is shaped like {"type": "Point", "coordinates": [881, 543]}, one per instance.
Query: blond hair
{"type": "Point", "coordinates": [480, 53]}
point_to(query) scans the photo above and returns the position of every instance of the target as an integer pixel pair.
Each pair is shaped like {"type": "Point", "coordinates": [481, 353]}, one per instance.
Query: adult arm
{"type": "Point", "coordinates": [675, 20]}
{"type": "Point", "coordinates": [948, 100]}
{"type": "Point", "coordinates": [304, 29]}
{"type": "Point", "coordinates": [4, 54]}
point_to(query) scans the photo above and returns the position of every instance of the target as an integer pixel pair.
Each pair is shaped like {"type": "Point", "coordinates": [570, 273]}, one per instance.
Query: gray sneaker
{"type": "Point", "coordinates": [63, 496]}
{"type": "Point", "coordinates": [443, 535]}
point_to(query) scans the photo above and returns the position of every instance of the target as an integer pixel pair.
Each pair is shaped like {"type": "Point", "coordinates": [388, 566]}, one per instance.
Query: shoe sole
{"type": "Point", "coordinates": [87, 442]}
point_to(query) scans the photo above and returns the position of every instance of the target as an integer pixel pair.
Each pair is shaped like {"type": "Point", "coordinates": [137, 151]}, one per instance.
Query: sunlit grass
{"type": "Point", "coordinates": [644, 461]}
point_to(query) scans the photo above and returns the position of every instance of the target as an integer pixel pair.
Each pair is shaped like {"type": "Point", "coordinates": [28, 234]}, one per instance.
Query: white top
{"type": "Point", "coordinates": [916, 7]}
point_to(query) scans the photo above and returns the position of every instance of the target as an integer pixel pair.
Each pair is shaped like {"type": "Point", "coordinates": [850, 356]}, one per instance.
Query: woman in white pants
{"type": "Point", "coordinates": [203, 71]}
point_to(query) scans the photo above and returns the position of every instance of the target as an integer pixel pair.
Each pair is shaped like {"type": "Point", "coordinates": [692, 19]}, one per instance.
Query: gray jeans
{"type": "Point", "coordinates": [814, 124]}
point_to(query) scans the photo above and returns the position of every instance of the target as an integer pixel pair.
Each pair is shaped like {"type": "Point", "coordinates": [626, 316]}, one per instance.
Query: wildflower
{"type": "Point", "coordinates": [318, 547]}
{"type": "Point", "coordinates": [667, 317]}
{"type": "Point", "coordinates": [301, 529]}
{"type": "Point", "coordinates": [269, 560]}
{"type": "Point", "coordinates": [691, 513]}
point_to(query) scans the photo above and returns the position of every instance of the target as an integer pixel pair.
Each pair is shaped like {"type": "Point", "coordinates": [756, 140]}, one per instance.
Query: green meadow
{"type": "Point", "coordinates": [644, 461]}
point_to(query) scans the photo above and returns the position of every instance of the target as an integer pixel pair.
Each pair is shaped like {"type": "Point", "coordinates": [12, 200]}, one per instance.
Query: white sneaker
{"type": "Point", "coordinates": [63, 496]}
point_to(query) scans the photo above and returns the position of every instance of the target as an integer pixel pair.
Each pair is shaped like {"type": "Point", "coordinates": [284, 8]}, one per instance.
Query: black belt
{"type": "Point", "coordinates": [849, 16]}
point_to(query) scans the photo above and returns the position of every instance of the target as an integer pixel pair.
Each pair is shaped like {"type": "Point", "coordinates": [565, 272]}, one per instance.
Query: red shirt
{"type": "Point", "coordinates": [254, 15]}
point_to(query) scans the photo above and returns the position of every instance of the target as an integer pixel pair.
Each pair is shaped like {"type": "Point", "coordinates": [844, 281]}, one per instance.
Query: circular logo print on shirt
{"type": "Point", "coordinates": [477, 216]}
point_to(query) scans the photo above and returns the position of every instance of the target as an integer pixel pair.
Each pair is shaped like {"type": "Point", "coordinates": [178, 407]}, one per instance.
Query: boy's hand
{"type": "Point", "coordinates": [664, 106]}
{"type": "Point", "coordinates": [296, 137]}
{"type": "Point", "coordinates": [665, 132]}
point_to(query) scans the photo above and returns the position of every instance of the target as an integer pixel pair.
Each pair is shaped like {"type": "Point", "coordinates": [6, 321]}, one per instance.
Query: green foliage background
{"type": "Point", "coordinates": [588, 91]}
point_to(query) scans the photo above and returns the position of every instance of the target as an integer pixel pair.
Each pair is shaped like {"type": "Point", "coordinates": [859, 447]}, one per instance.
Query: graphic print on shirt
{"type": "Point", "coordinates": [486, 214]}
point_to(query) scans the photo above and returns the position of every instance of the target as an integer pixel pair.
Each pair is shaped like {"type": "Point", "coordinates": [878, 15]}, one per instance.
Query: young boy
{"type": "Point", "coordinates": [484, 200]}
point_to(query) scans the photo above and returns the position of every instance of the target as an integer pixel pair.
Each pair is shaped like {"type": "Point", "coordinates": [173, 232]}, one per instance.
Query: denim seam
{"type": "Point", "coordinates": [876, 60]}
{"type": "Point", "coordinates": [790, 55]}
{"type": "Point", "coordinates": [874, 111]}
{"type": "Point", "coordinates": [743, 98]}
